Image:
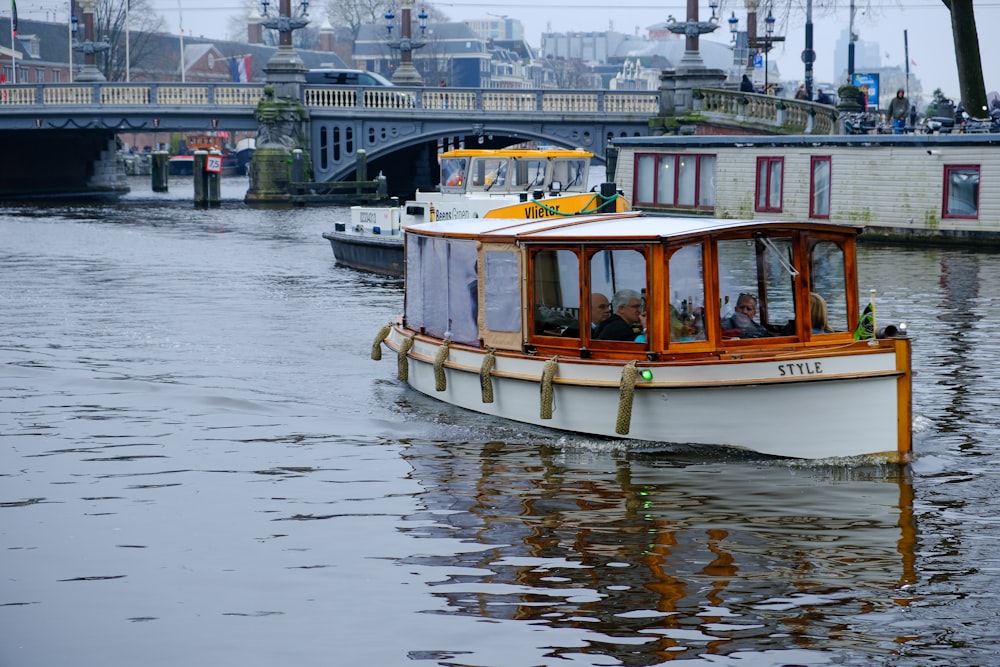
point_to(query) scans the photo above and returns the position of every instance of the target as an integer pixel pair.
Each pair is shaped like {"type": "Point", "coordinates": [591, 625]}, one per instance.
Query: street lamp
{"type": "Point", "coordinates": [406, 74]}
{"type": "Point", "coordinates": [734, 26]}
{"type": "Point", "coordinates": [89, 47]}
{"type": "Point", "coordinates": [768, 35]}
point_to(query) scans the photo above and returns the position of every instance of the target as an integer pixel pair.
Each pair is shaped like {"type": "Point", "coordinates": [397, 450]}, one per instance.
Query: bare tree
{"type": "Point", "coordinates": [110, 26]}
{"type": "Point", "coordinates": [353, 14]}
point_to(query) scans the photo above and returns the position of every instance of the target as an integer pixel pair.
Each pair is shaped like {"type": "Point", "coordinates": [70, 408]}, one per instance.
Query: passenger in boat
{"type": "Point", "coordinates": [643, 322]}
{"type": "Point", "coordinates": [624, 323]}
{"type": "Point", "coordinates": [818, 314]}
{"type": "Point", "coordinates": [742, 321]}
{"type": "Point", "coordinates": [600, 310]}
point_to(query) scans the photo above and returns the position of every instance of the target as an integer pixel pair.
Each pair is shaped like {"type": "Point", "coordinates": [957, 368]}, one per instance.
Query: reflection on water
{"type": "Point", "coordinates": [660, 557]}
{"type": "Point", "coordinates": [200, 463]}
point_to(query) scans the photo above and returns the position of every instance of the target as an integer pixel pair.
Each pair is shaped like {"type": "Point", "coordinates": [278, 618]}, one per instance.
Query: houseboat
{"type": "Point", "coordinates": [911, 188]}
{"type": "Point", "coordinates": [746, 334]}
{"type": "Point", "coordinates": [475, 183]}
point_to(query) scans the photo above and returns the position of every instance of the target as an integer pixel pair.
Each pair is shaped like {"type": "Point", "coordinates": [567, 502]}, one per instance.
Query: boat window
{"type": "Point", "coordinates": [489, 173]}
{"type": "Point", "coordinates": [503, 304]}
{"type": "Point", "coordinates": [617, 273]}
{"type": "Point", "coordinates": [751, 270]}
{"type": "Point", "coordinates": [687, 294]}
{"type": "Point", "coordinates": [453, 173]}
{"type": "Point", "coordinates": [572, 173]}
{"type": "Point", "coordinates": [445, 302]}
{"type": "Point", "coordinates": [555, 277]}
{"type": "Point", "coordinates": [828, 282]}
{"type": "Point", "coordinates": [530, 173]}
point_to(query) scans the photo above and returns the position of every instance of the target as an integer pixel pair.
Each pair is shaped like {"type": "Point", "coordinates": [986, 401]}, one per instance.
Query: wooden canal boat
{"type": "Point", "coordinates": [504, 317]}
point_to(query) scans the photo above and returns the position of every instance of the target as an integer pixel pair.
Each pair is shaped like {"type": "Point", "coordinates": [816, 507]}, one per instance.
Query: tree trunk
{"type": "Point", "coordinates": [967, 57]}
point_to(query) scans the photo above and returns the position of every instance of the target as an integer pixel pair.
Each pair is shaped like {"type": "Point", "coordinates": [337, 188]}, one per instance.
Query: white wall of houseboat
{"type": "Point", "coordinates": [894, 185]}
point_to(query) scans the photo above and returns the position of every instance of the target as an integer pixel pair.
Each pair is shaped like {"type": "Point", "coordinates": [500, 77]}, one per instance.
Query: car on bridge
{"type": "Point", "coordinates": [346, 77]}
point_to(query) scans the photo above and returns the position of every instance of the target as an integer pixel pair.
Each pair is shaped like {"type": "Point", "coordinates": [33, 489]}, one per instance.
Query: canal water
{"type": "Point", "coordinates": [200, 464]}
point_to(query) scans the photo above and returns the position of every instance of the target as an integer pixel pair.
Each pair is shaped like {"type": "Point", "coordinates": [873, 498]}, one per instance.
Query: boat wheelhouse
{"type": "Point", "coordinates": [504, 317]}
{"type": "Point", "coordinates": [475, 183]}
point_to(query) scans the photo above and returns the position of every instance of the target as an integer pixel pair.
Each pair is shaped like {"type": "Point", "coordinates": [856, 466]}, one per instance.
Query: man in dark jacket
{"type": "Point", "coordinates": [624, 323]}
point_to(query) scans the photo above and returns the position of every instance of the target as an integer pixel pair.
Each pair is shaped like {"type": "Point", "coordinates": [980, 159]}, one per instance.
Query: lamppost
{"type": "Point", "coordinates": [406, 74]}
{"type": "Point", "coordinates": [285, 23]}
{"type": "Point", "coordinates": [768, 36]}
{"type": "Point", "coordinates": [285, 70]}
{"type": "Point", "coordinates": [89, 73]}
{"type": "Point", "coordinates": [691, 29]}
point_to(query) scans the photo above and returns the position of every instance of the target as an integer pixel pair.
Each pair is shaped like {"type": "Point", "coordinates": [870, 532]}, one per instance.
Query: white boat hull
{"type": "Point", "coordinates": [808, 405]}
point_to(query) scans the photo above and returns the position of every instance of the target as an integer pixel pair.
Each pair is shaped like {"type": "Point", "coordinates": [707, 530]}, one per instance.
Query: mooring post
{"type": "Point", "coordinates": [213, 178]}
{"type": "Point", "coordinates": [160, 171]}
{"type": "Point", "coordinates": [198, 172]}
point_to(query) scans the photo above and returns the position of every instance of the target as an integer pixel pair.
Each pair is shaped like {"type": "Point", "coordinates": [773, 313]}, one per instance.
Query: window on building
{"type": "Point", "coordinates": [675, 181]}
{"type": "Point", "coordinates": [819, 194]}
{"type": "Point", "coordinates": [770, 172]}
{"type": "Point", "coordinates": [961, 191]}
{"type": "Point", "coordinates": [39, 75]}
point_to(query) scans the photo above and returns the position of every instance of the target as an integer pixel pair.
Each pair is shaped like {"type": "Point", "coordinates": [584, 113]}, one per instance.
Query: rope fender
{"type": "Point", "coordinates": [440, 382]}
{"type": "Point", "coordinates": [626, 393]}
{"type": "Point", "coordinates": [548, 372]}
{"type": "Point", "coordinates": [403, 368]}
{"type": "Point", "coordinates": [383, 333]}
{"type": "Point", "coordinates": [485, 377]}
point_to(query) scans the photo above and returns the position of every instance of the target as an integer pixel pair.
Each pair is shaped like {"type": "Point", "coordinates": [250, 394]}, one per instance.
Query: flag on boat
{"type": "Point", "coordinates": [866, 326]}
{"type": "Point", "coordinates": [239, 66]}
{"type": "Point", "coordinates": [13, 17]}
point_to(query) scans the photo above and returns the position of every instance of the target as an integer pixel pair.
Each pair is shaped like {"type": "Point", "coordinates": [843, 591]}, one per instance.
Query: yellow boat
{"type": "Point", "coordinates": [476, 183]}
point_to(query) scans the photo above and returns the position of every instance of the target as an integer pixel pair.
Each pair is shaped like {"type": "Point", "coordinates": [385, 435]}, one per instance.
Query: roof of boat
{"type": "Point", "coordinates": [629, 226]}
{"type": "Point", "coordinates": [518, 152]}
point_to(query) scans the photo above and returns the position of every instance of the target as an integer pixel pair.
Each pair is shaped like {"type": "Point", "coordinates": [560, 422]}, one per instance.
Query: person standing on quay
{"type": "Point", "coordinates": [899, 109]}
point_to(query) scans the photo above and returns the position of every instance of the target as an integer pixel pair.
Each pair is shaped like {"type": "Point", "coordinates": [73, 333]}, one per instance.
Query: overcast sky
{"type": "Point", "coordinates": [926, 22]}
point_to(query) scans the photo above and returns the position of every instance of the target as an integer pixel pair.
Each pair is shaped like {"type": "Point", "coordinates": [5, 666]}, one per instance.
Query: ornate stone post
{"type": "Point", "coordinates": [282, 120]}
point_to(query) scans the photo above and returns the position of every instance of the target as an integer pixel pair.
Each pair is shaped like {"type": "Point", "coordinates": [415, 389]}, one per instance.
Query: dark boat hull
{"type": "Point", "coordinates": [378, 254]}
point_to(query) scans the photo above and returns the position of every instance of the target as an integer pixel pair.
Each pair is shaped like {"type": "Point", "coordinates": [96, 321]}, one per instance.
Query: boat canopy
{"type": "Point", "coordinates": [679, 284]}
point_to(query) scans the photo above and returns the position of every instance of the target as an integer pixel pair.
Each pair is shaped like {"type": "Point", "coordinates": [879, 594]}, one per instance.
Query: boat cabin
{"type": "Point", "coordinates": [633, 285]}
{"type": "Point", "coordinates": [505, 171]}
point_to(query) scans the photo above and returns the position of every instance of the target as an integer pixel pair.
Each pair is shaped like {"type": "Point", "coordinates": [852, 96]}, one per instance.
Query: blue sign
{"type": "Point", "coordinates": [758, 61]}
{"type": "Point", "coordinates": [868, 83]}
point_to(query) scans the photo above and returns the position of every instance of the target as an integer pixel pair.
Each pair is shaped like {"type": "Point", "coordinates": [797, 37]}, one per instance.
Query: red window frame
{"type": "Point", "coordinates": [948, 169]}
{"type": "Point", "coordinates": [658, 161]}
{"type": "Point", "coordinates": [765, 187]}
{"type": "Point", "coordinates": [813, 160]}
